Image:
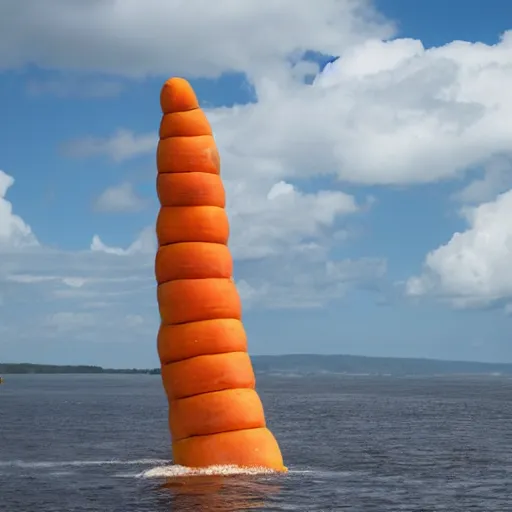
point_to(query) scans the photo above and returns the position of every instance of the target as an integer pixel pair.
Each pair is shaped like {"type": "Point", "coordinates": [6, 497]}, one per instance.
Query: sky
{"type": "Point", "coordinates": [366, 151]}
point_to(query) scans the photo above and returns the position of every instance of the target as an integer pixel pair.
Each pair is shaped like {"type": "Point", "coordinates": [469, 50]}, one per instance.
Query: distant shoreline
{"type": "Point", "coordinates": [300, 364]}
{"type": "Point", "coordinates": [30, 368]}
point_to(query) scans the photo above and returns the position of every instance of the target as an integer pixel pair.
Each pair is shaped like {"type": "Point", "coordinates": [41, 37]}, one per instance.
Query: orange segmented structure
{"type": "Point", "coordinates": [215, 414]}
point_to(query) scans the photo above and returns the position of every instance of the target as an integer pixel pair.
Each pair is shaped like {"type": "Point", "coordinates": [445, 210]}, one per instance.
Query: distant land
{"type": "Point", "coordinates": [26, 368]}
{"type": "Point", "coordinates": [304, 364]}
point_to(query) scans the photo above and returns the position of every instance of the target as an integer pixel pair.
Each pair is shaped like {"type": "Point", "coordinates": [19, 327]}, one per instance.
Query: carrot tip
{"type": "Point", "coordinates": [177, 95]}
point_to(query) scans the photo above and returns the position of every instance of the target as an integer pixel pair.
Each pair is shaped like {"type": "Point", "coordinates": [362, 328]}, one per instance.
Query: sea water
{"type": "Point", "coordinates": [99, 443]}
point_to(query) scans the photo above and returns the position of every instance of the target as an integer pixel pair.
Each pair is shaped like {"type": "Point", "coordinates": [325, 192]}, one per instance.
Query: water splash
{"type": "Point", "coordinates": [78, 463]}
{"type": "Point", "coordinates": [175, 471]}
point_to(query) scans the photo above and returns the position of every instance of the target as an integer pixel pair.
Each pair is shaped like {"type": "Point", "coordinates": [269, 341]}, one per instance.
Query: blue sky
{"type": "Point", "coordinates": [347, 182]}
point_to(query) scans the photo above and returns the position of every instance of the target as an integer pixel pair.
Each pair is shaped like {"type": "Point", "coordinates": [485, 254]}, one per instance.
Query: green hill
{"type": "Point", "coordinates": [303, 364]}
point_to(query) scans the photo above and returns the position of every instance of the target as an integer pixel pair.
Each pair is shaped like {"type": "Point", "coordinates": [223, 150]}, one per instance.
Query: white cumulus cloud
{"type": "Point", "coordinates": [183, 37]}
{"type": "Point", "coordinates": [14, 232]}
{"type": "Point", "coordinates": [385, 113]}
{"type": "Point", "coordinates": [473, 267]}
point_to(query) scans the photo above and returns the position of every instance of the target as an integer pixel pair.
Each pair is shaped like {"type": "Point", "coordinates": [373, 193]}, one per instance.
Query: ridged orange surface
{"type": "Point", "coordinates": [215, 414]}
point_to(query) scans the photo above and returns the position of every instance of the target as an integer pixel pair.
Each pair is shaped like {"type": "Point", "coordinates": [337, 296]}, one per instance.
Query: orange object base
{"type": "Point", "coordinates": [255, 447]}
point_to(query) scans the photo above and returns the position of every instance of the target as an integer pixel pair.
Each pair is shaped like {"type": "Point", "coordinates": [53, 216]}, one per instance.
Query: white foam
{"type": "Point", "coordinates": [162, 469]}
{"type": "Point", "coordinates": [176, 471]}
{"type": "Point", "coordinates": [79, 463]}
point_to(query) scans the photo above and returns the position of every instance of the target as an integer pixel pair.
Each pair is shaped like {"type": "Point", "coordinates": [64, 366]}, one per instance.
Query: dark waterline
{"type": "Point", "coordinates": [82, 443]}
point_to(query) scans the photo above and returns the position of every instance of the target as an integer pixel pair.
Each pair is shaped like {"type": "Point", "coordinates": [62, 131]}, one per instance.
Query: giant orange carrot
{"type": "Point", "coordinates": [215, 413]}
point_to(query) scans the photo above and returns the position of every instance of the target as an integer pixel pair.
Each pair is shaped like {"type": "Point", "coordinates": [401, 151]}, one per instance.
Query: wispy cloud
{"type": "Point", "coordinates": [123, 145]}
{"type": "Point", "coordinates": [120, 198]}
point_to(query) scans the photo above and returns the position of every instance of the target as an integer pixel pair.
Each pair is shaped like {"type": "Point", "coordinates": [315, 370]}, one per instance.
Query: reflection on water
{"type": "Point", "coordinates": [219, 493]}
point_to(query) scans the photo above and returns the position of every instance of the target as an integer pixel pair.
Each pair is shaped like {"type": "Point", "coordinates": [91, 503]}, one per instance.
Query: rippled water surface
{"type": "Point", "coordinates": [100, 444]}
